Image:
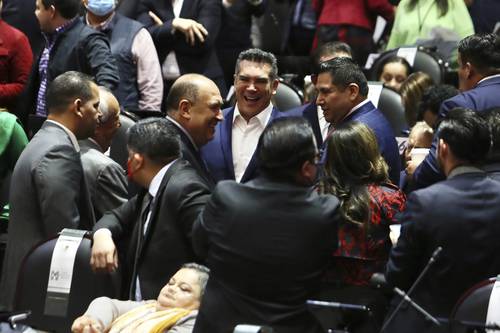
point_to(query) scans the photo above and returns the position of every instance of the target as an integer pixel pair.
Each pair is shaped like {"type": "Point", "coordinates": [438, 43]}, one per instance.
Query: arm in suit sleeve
{"type": "Point", "coordinates": [205, 225]}
{"type": "Point", "coordinates": [58, 178]}
{"type": "Point", "coordinates": [382, 8]}
{"type": "Point", "coordinates": [208, 14]}
{"type": "Point", "coordinates": [102, 63]}
{"type": "Point", "coordinates": [111, 188]}
{"type": "Point", "coordinates": [406, 258]}
{"type": "Point", "coordinates": [120, 221]}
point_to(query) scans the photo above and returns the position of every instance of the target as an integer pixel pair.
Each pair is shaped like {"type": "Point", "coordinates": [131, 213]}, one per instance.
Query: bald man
{"type": "Point", "coordinates": [194, 107]}
{"type": "Point", "coordinates": [106, 178]}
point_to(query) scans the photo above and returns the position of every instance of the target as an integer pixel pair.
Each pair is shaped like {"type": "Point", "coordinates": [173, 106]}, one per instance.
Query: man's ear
{"type": "Point", "coordinates": [469, 70]}
{"type": "Point", "coordinates": [77, 107]}
{"type": "Point", "coordinates": [184, 108]}
{"type": "Point", "coordinates": [353, 91]}
{"type": "Point", "coordinates": [274, 86]}
{"type": "Point", "coordinates": [308, 172]}
{"type": "Point", "coordinates": [53, 11]}
{"type": "Point", "coordinates": [443, 148]}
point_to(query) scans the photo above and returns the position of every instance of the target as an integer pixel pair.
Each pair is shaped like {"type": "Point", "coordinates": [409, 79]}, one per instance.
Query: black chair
{"type": "Point", "coordinates": [118, 150]}
{"type": "Point", "coordinates": [86, 285]}
{"type": "Point", "coordinates": [392, 108]}
{"type": "Point", "coordinates": [426, 61]}
{"type": "Point", "coordinates": [472, 307]}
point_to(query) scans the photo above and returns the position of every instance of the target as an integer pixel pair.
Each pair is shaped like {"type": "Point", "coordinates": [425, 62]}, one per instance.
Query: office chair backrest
{"type": "Point", "coordinates": [86, 285]}
{"type": "Point", "coordinates": [426, 61]}
{"type": "Point", "coordinates": [118, 150]}
{"type": "Point", "coordinates": [390, 105]}
{"type": "Point", "coordinates": [473, 305]}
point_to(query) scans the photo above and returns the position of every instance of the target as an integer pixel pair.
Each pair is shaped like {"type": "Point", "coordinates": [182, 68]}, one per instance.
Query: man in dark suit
{"type": "Point", "coordinates": [106, 178]}
{"type": "Point", "coordinates": [311, 111]}
{"type": "Point", "coordinates": [492, 163]}
{"type": "Point", "coordinates": [479, 81]}
{"type": "Point", "coordinates": [193, 107]}
{"type": "Point", "coordinates": [70, 45]}
{"type": "Point", "coordinates": [184, 33]}
{"type": "Point", "coordinates": [342, 94]}
{"type": "Point", "coordinates": [157, 222]}
{"type": "Point", "coordinates": [460, 214]}
{"type": "Point", "coordinates": [266, 256]}
{"type": "Point", "coordinates": [230, 155]}
{"type": "Point", "coordinates": [48, 187]}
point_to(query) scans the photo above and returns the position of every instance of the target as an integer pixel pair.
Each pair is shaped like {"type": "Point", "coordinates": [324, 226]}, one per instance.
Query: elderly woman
{"type": "Point", "coordinates": [174, 311]}
{"type": "Point", "coordinates": [357, 174]}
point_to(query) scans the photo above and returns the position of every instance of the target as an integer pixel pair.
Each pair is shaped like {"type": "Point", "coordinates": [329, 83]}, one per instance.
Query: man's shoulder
{"type": "Point", "coordinates": [93, 157]}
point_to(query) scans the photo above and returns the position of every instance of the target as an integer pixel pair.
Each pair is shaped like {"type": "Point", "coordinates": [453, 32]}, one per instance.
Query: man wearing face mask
{"type": "Point", "coordinates": [157, 222]}
{"type": "Point", "coordinates": [141, 83]}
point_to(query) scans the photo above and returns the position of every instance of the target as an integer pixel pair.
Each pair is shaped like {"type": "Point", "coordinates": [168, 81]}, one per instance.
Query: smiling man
{"type": "Point", "coordinates": [342, 94]}
{"type": "Point", "coordinates": [230, 155]}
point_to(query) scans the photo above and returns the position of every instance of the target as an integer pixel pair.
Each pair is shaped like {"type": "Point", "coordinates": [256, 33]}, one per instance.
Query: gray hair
{"type": "Point", "coordinates": [103, 105]}
{"type": "Point", "coordinates": [203, 274]}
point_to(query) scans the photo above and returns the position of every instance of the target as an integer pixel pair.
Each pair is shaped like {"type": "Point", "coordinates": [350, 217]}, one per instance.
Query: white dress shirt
{"type": "Point", "coordinates": [245, 136]}
{"type": "Point", "coordinates": [323, 124]}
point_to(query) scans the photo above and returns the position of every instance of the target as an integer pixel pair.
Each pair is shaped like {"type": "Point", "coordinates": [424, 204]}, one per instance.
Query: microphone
{"type": "Point", "coordinates": [406, 296]}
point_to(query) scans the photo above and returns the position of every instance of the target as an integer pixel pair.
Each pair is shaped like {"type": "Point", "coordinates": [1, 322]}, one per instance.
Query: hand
{"type": "Point", "coordinates": [104, 256]}
{"type": "Point", "coordinates": [86, 324]}
{"type": "Point", "coordinates": [155, 18]}
{"type": "Point", "coordinates": [411, 166]}
{"type": "Point", "coordinates": [191, 29]}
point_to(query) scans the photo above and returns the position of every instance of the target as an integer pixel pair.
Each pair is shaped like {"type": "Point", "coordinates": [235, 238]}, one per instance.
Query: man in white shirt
{"type": "Point", "coordinates": [48, 190]}
{"type": "Point", "coordinates": [230, 155]}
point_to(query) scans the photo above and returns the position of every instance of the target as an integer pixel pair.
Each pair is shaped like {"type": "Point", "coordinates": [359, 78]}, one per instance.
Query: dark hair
{"type": "Point", "coordinates": [329, 49]}
{"type": "Point", "coordinates": [411, 94]}
{"type": "Point", "coordinates": [353, 162]}
{"type": "Point", "coordinates": [203, 275]}
{"type": "Point", "coordinates": [67, 8]}
{"type": "Point", "coordinates": [181, 89]}
{"type": "Point", "coordinates": [442, 5]}
{"type": "Point", "coordinates": [492, 118]}
{"type": "Point", "coordinates": [156, 138]}
{"type": "Point", "coordinates": [466, 133]}
{"type": "Point", "coordinates": [345, 71]}
{"type": "Point", "coordinates": [482, 51]}
{"type": "Point", "coordinates": [259, 56]}
{"type": "Point", "coordinates": [284, 146]}
{"type": "Point", "coordinates": [394, 59]}
{"type": "Point", "coordinates": [67, 87]}
{"type": "Point", "coordinates": [433, 97]}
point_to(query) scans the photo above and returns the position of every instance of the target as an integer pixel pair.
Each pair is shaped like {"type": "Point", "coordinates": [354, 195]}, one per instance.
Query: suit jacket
{"type": "Point", "coordinates": [369, 115]}
{"type": "Point", "coordinates": [219, 155]}
{"type": "Point", "coordinates": [310, 112]}
{"type": "Point", "coordinates": [482, 97]}
{"type": "Point", "coordinates": [266, 256]}
{"type": "Point", "coordinates": [459, 214]}
{"type": "Point", "coordinates": [158, 254]}
{"type": "Point", "coordinates": [106, 178]}
{"type": "Point", "coordinates": [198, 58]}
{"type": "Point", "coordinates": [191, 154]}
{"type": "Point", "coordinates": [48, 193]}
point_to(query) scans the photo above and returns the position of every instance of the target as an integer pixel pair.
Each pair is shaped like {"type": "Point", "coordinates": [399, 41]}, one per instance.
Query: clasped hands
{"type": "Point", "coordinates": [191, 29]}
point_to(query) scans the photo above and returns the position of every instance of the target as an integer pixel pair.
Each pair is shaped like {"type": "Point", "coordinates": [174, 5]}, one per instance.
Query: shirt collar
{"type": "Point", "coordinates": [262, 117]}
{"type": "Point", "coordinates": [357, 107]}
{"type": "Point", "coordinates": [488, 77]}
{"type": "Point", "coordinates": [101, 26]}
{"type": "Point", "coordinates": [72, 136]}
{"type": "Point", "coordinates": [462, 169]}
{"type": "Point", "coordinates": [60, 29]}
{"type": "Point", "coordinates": [183, 131]}
{"type": "Point", "coordinates": [156, 181]}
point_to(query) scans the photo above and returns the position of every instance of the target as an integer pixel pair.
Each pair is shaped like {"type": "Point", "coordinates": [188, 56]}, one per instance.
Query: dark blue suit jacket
{"type": "Point", "coordinates": [310, 112]}
{"type": "Point", "coordinates": [459, 214]}
{"type": "Point", "coordinates": [218, 152]}
{"type": "Point", "coordinates": [369, 115]}
{"type": "Point", "coordinates": [484, 96]}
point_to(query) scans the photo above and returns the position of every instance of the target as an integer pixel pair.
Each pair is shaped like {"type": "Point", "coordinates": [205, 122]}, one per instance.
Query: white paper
{"type": "Point", "coordinates": [374, 92]}
{"type": "Point", "coordinates": [408, 53]}
{"type": "Point", "coordinates": [493, 316]}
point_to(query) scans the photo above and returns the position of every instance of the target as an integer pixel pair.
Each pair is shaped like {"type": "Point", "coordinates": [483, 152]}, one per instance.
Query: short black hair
{"type": "Point", "coordinates": [184, 89]}
{"type": "Point", "coordinates": [330, 49]}
{"type": "Point", "coordinates": [67, 87]}
{"type": "Point", "coordinates": [482, 51]}
{"type": "Point", "coordinates": [433, 97]}
{"type": "Point", "coordinates": [466, 133]}
{"type": "Point", "coordinates": [259, 56]}
{"type": "Point", "coordinates": [67, 8]}
{"type": "Point", "coordinates": [345, 71]}
{"type": "Point", "coordinates": [155, 138]}
{"type": "Point", "coordinates": [284, 146]}
{"type": "Point", "coordinates": [492, 118]}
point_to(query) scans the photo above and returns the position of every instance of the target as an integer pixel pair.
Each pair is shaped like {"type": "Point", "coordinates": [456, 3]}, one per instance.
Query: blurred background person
{"type": "Point", "coordinates": [430, 103]}
{"type": "Point", "coordinates": [394, 71]}
{"type": "Point", "coordinates": [411, 92]}
{"type": "Point", "coordinates": [357, 174]}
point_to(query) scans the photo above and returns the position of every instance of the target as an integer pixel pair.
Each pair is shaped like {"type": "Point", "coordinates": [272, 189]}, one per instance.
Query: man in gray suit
{"type": "Point", "coordinates": [49, 192]}
{"type": "Point", "coordinates": [106, 178]}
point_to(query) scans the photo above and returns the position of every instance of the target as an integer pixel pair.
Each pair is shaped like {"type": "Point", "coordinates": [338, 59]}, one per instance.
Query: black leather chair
{"type": "Point", "coordinates": [118, 150]}
{"type": "Point", "coordinates": [472, 308]}
{"type": "Point", "coordinates": [426, 61]}
{"type": "Point", "coordinates": [85, 286]}
{"type": "Point", "coordinates": [391, 106]}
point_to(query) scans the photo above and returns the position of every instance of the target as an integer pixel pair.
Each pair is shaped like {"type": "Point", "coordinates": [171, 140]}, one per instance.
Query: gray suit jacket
{"type": "Point", "coordinates": [48, 193]}
{"type": "Point", "coordinates": [106, 178]}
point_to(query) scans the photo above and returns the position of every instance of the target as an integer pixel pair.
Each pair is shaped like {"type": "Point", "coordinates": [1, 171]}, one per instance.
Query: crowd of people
{"type": "Point", "coordinates": [241, 214]}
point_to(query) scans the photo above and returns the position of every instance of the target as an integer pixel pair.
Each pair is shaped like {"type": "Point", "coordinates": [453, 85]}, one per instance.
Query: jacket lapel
{"type": "Point", "coordinates": [226, 141]}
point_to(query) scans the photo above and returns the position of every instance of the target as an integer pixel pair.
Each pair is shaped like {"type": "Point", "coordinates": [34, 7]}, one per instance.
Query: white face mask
{"type": "Point", "coordinates": [100, 7]}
